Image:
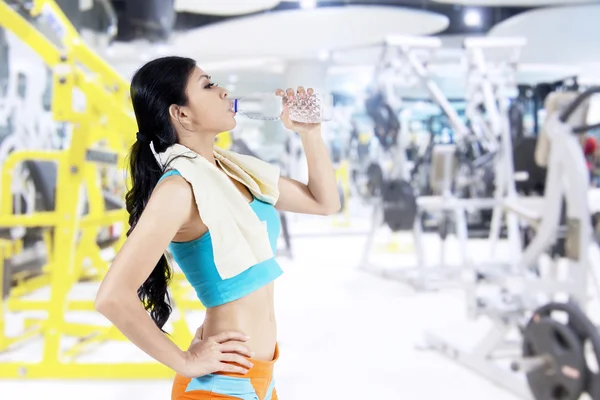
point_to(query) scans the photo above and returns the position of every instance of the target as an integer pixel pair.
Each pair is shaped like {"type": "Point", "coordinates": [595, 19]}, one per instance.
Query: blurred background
{"type": "Point", "coordinates": [464, 136]}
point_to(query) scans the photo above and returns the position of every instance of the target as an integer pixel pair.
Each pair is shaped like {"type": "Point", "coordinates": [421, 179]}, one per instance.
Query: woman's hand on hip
{"type": "Point", "coordinates": [197, 337]}
{"type": "Point", "coordinates": [217, 353]}
{"type": "Point", "coordinates": [287, 97]}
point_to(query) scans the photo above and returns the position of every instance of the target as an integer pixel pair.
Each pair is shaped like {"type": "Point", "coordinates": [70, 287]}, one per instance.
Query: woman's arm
{"type": "Point", "coordinates": [320, 196]}
{"type": "Point", "coordinates": [167, 210]}
{"type": "Point", "coordinates": [170, 207]}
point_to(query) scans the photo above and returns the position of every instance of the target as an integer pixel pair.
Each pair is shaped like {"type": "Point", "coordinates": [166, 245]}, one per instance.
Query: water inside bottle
{"type": "Point", "coordinates": [254, 110]}
{"type": "Point", "coordinates": [265, 107]}
{"type": "Point", "coordinates": [313, 108]}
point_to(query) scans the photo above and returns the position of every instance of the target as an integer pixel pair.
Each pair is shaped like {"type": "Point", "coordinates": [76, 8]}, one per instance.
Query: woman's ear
{"type": "Point", "coordinates": [174, 112]}
{"type": "Point", "coordinates": [180, 116]}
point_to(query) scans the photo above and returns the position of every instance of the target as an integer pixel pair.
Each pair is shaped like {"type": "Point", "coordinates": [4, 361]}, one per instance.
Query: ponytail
{"type": "Point", "coordinates": [154, 88]}
{"type": "Point", "coordinates": [145, 174]}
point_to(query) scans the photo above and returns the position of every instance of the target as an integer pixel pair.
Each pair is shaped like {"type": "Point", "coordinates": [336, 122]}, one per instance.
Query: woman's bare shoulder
{"type": "Point", "coordinates": [171, 192]}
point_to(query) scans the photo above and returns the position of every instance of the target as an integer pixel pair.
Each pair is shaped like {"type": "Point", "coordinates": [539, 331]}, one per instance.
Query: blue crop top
{"type": "Point", "coordinates": [196, 260]}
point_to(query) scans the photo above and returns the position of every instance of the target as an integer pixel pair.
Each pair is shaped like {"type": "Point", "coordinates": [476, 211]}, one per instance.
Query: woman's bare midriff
{"type": "Point", "coordinates": [252, 315]}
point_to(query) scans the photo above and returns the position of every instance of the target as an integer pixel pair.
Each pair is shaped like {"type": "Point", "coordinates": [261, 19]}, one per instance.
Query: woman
{"type": "Point", "coordinates": [177, 106]}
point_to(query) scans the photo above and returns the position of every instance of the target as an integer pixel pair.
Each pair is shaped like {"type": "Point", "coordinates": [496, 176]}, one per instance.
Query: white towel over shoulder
{"type": "Point", "coordinates": [239, 239]}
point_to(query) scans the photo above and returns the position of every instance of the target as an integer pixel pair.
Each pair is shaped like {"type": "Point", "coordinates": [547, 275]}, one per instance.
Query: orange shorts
{"type": "Point", "coordinates": [256, 384]}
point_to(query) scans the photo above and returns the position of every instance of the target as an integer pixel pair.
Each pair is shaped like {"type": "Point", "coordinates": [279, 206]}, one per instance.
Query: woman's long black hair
{"type": "Point", "coordinates": [154, 88]}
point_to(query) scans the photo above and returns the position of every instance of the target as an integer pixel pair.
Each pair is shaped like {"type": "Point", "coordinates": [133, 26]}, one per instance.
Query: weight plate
{"type": "Point", "coordinates": [585, 331]}
{"type": "Point", "coordinates": [400, 205]}
{"type": "Point", "coordinates": [564, 379]}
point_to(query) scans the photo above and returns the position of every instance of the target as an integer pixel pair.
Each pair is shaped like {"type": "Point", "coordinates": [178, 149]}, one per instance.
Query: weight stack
{"type": "Point", "coordinates": [524, 161]}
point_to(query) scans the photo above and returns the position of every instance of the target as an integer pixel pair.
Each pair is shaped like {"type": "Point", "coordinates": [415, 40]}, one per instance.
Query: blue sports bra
{"type": "Point", "coordinates": [196, 260]}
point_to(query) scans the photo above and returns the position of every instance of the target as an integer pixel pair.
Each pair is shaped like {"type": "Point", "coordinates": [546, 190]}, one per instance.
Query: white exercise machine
{"type": "Point", "coordinates": [536, 278]}
{"type": "Point", "coordinates": [489, 82]}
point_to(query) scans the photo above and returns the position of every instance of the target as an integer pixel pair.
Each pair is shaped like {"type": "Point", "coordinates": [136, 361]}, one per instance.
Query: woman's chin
{"type": "Point", "coordinates": [232, 123]}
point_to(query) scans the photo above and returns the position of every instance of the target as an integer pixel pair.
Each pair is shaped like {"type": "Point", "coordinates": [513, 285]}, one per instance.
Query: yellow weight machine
{"type": "Point", "coordinates": [101, 135]}
{"type": "Point", "coordinates": [224, 140]}
{"type": "Point", "coordinates": [342, 176]}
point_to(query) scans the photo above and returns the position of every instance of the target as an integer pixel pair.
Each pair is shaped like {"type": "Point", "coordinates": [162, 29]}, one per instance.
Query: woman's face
{"type": "Point", "coordinates": [208, 106]}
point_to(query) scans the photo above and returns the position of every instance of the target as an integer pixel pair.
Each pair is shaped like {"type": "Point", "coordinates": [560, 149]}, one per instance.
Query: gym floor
{"type": "Point", "coordinates": [344, 333]}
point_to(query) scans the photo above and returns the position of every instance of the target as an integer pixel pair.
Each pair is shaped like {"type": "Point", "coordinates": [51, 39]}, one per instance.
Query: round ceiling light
{"type": "Point", "coordinates": [306, 33]}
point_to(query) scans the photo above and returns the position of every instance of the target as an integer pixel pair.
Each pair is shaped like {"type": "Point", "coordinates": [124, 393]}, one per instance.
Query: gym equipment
{"type": "Point", "coordinates": [76, 210]}
{"type": "Point", "coordinates": [374, 179]}
{"type": "Point", "coordinates": [537, 277]}
{"type": "Point", "coordinates": [387, 125]}
{"type": "Point", "coordinates": [399, 205]}
{"type": "Point", "coordinates": [224, 140]}
{"type": "Point", "coordinates": [445, 183]}
{"type": "Point", "coordinates": [516, 115]}
{"type": "Point", "coordinates": [27, 121]}
{"type": "Point", "coordinates": [342, 175]}
{"type": "Point", "coordinates": [491, 80]}
{"type": "Point", "coordinates": [534, 176]}
{"type": "Point", "coordinates": [554, 353]}
{"type": "Point", "coordinates": [366, 163]}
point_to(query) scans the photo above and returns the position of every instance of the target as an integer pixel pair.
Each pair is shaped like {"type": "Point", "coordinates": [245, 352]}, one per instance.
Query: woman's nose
{"type": "Point", "coordinates": [224, 93]}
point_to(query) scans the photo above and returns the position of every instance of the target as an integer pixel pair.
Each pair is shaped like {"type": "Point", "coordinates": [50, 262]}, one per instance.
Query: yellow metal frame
{"type": "Point", "coordinates": [107, 123]}
{"type": "Point", "coordinates": [224, 140]}
{"type": "Point", "coordinates": [342, 176]}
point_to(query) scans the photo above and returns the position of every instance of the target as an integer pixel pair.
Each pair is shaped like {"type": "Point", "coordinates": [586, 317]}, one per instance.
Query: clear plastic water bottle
{"type": "Point", "coordinates": [313, 108]}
